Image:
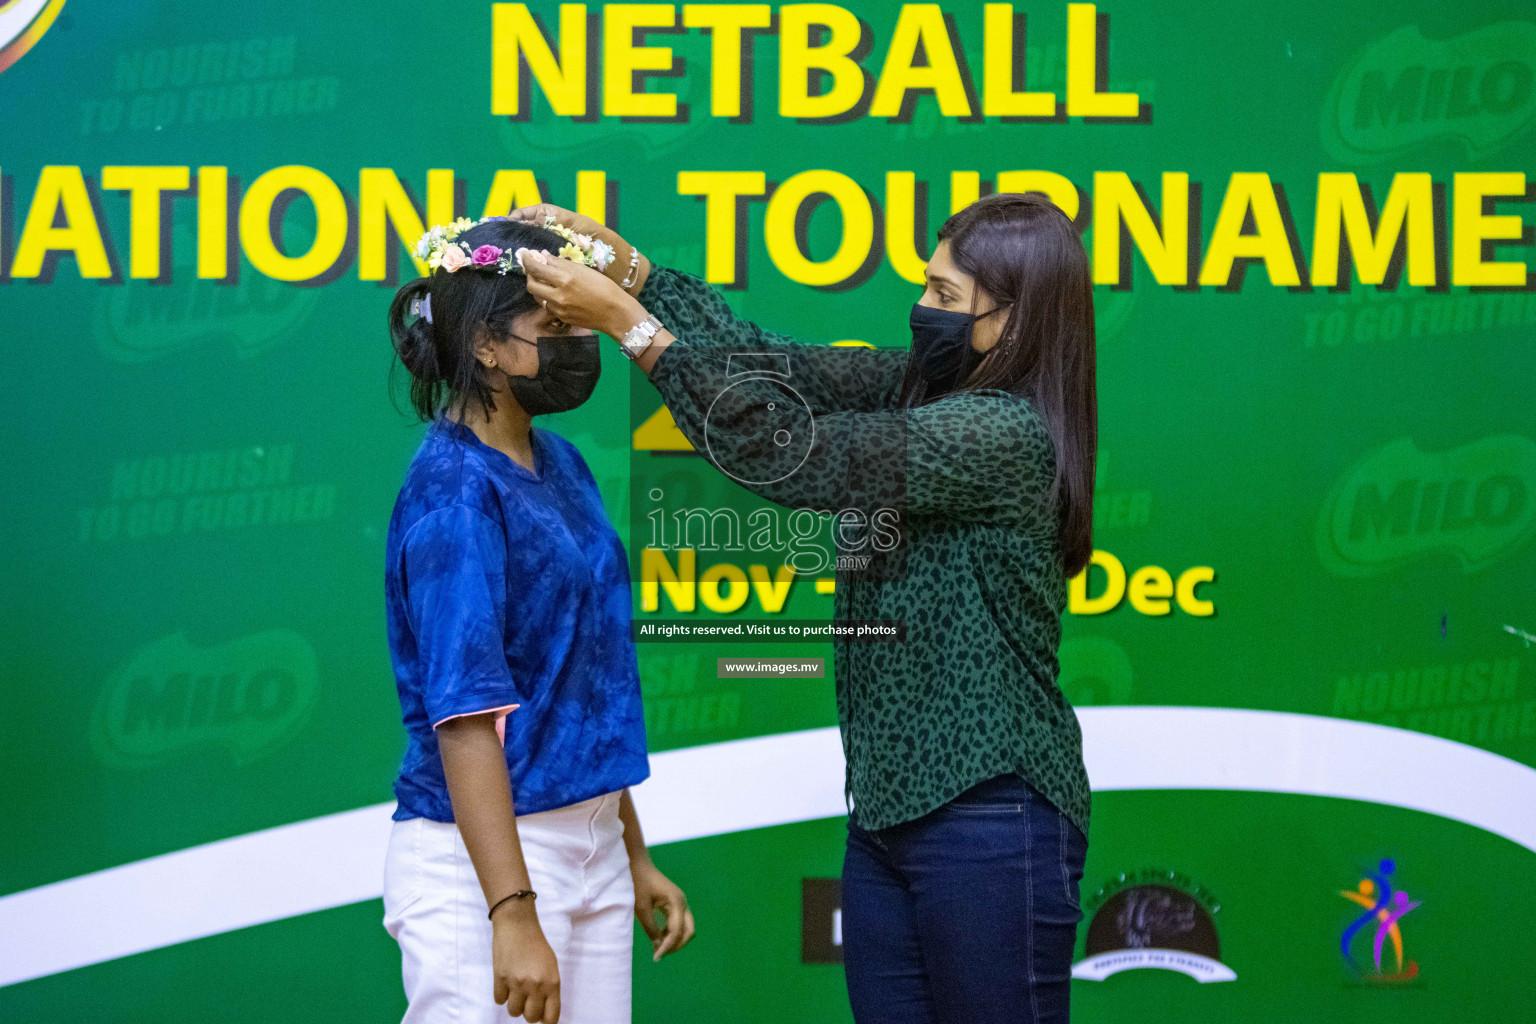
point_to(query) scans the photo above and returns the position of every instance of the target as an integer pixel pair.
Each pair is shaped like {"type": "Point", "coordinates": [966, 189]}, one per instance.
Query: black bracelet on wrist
{"type": "Point", "coordinates": [520, 894]}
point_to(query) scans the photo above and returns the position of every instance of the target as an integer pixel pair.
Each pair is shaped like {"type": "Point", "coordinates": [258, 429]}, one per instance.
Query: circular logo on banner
{"type": "Point", "coordinates": [1153, 919]}
{"type": "Point", "coordinates": [22, 24]}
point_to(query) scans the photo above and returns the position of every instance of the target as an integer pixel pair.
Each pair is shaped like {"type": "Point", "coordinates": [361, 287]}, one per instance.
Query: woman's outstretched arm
{"type": "Point", "coordinates": [975, 455]}
{"type": "Point", "coordinates": [828, 378]}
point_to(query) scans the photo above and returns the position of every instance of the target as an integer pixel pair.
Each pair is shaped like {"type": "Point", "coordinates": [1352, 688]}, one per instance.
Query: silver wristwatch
{"type": "Point", "coordinates": [640, 336]}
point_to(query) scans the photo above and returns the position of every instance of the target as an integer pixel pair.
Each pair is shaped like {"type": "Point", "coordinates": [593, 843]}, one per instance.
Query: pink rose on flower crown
{"type": "Point", "coordinates": [485, 256]}
{"type": "Point", "coordinates": [455, 257]}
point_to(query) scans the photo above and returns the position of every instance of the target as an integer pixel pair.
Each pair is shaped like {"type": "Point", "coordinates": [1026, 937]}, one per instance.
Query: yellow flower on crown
{"type": "Point", "coordinates": [438, 241]}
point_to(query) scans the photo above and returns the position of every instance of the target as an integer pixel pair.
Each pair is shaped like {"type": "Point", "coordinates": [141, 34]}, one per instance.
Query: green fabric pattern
{"type": "Point", "coordinates": [972, 691]}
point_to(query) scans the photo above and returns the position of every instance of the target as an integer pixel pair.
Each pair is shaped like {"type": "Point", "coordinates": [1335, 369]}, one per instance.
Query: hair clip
{"type": "Point", "coordinates": [422, 307]}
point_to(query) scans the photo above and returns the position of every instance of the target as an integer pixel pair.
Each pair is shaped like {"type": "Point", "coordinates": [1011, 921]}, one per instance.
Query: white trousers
{"type": "Point", "coordinates": [435, 909]}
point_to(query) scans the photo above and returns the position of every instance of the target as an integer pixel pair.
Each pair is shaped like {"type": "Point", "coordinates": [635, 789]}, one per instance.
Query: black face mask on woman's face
{"type": "Point", "coordinates": [941, 344]}
{"type": "Point", "coordinates": [569, 366]}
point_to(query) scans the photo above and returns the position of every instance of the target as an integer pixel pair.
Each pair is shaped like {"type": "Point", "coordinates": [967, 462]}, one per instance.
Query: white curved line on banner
{"type": "Point", "coordinates": [1202, 968]}
{"type": "Point", "coordinates": [15, 17]}
{"type": "Point", "coordinates": [694, 792]}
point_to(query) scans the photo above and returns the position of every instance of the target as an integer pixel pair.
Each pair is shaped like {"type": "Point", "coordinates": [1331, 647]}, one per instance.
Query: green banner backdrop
{"type": "Point", "coordinates": [1301, 657]}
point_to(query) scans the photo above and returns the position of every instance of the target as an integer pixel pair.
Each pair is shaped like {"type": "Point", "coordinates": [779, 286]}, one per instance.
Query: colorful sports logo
{"type": "Point", "coordinates": [1384, 906]}
{"type": "Point", "coordinates": [22, 24]}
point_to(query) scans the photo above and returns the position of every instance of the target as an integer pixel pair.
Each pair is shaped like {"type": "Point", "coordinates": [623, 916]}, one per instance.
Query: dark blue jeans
{"type": "Point", "coordinates": [967, 915]}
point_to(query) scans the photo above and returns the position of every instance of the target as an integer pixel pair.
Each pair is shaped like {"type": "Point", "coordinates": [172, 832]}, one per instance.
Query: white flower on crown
{"type": "Point", "coordinates": [602, 254]}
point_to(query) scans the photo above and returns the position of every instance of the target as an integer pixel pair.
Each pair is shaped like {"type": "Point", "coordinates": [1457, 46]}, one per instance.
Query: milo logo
{"type": "Point", "coordinates": [248, 696]}
{"type": "Point", "coordinates": [1399, 503]}
{"type": "Point", "coordinates": [138, 322]}
{"type": "Point", "coordinates": [1405, 90]}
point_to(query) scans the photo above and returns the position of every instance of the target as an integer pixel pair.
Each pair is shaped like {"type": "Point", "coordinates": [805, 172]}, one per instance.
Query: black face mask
{"type": "Point", "coordinates": [569, 366]}
{"type": "Point", "coordinates": [941, 345]}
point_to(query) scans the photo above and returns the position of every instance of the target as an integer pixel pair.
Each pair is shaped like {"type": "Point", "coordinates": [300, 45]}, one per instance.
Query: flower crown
{"type": "Point", "coordinates": [439, 248]}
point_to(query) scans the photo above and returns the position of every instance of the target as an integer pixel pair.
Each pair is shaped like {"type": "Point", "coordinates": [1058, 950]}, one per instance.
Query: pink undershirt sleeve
{"type": "Point", "coordinates": [501, 719]}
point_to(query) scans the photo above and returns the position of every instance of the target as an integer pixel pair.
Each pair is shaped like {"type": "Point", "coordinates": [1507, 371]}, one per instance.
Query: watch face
{"type": "Point", "coordinates": [758, 442]}
{"type": "Point", "coordinates": [637, 340]}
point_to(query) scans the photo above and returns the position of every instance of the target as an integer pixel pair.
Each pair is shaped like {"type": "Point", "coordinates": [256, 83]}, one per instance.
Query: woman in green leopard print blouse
{"type": "Point", "coordinates": [975, 450]}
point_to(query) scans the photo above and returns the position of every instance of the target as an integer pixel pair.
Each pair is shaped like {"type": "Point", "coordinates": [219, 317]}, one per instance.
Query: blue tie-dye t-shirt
{"type": "Point", "coordinates": [509, 587]}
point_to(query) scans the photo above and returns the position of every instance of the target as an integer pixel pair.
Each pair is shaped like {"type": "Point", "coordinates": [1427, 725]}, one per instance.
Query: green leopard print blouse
{"type": "Point", "coordinates": [977, 579]}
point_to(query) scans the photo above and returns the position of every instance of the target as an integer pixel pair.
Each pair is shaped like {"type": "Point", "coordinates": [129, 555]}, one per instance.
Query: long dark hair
{"type": "Point", "coordinates": [1021, 248]}
{"type": "Point", "coordinates": [440, 356]}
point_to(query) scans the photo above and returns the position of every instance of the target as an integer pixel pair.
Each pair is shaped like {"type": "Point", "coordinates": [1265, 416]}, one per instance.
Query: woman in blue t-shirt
{"type": "Point", "coordinates": [515, 860]}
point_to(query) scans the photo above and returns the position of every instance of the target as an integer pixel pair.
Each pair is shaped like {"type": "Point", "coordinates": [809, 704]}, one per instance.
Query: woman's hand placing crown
{"type": "Point", "coordinates": [580, 296]}
{"type": "Point", "coordinates": [628, 263]}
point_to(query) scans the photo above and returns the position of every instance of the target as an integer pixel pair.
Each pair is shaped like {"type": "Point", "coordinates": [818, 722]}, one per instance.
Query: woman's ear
{"type": "Point", "coordinates": [485, 349]}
